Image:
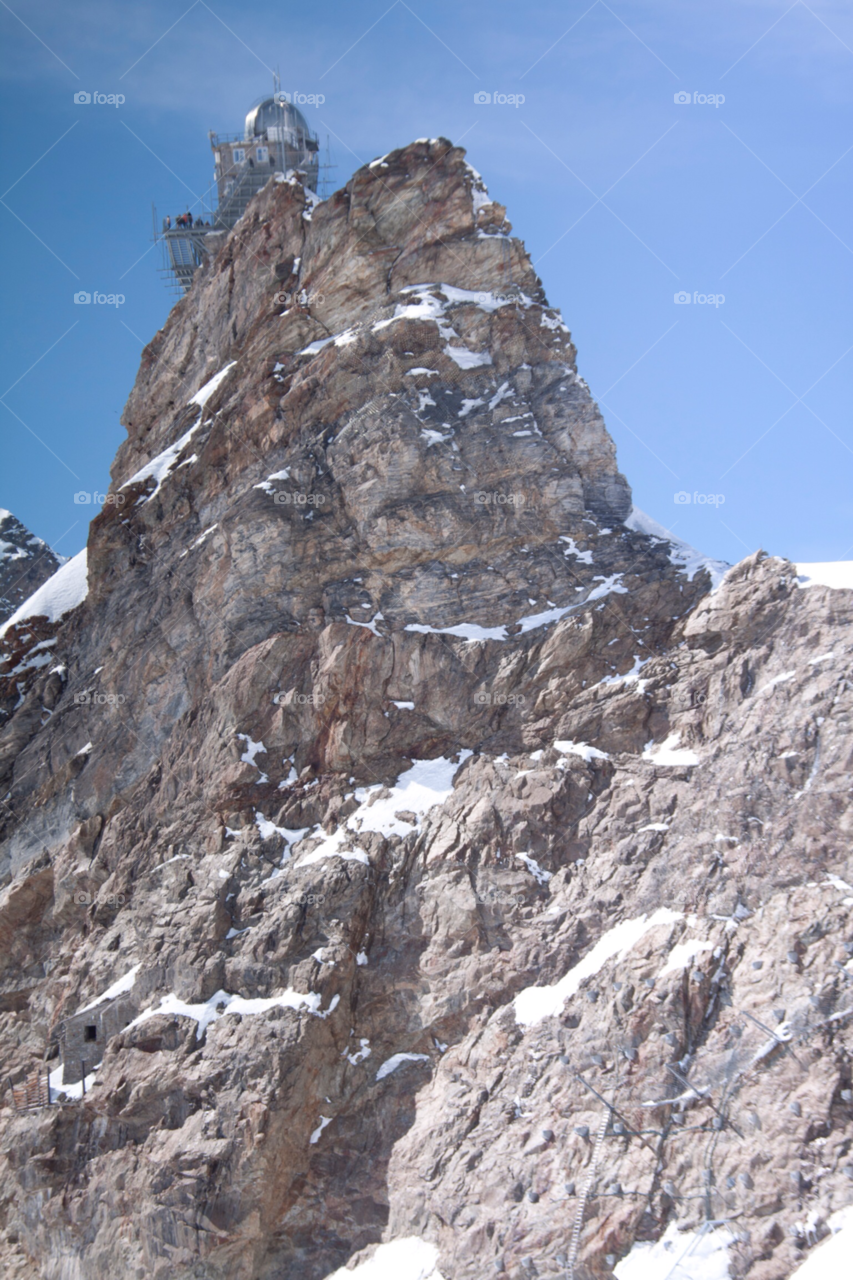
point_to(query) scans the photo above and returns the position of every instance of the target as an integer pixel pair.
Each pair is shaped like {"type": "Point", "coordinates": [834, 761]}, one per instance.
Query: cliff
{"type": "Point", "coordinates": [402, 843]}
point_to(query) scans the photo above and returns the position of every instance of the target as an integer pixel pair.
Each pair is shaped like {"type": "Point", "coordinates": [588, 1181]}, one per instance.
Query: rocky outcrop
{"type": "Point", "coordinates": [25, 563]}
{"type": "Point", "coordinates": [421, 848]}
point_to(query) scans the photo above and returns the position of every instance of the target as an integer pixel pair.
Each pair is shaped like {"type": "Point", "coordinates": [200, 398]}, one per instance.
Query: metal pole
{"type": "Point", "coordinates": [705, 1097]}
{"type": "Point", "coordinates": [628, 1127]}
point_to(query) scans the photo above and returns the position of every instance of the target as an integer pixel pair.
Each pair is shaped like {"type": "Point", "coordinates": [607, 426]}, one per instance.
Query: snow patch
{"type": "Point", "coordinates": [680, 553]}
{"type": "Point", "coordinates": [202, 396]}
{"type": "Point", "coordinates": [408, 1259]}
{"type": "Point", "coordinates": [540, 875]}
{"type": "Point", "coordinates": [783, 679]}
{"type": "Point", "coordinates": [581, 749]}
{"type": "Point", "coordinates": [669, 753]}
{"type": "Point", "coordinates": [681, 955]}
{"type": "Point", "coordinates": [630, 677]}
{"type": "Point", "coordinates": [391, 1064]}
{"type": "Point", "coordinates": [535, 1003]}
{"type": "Point", "coordinates": [585, 557]}
{"type": "Point", "coordinates": [315, 1136]}
{"type": "Point", "coordinates": [831, 1259]}
{"type": "Point", "coordinates": [72, 1091]}
{"type": "Point", "coordinates": [360, 1054]}
{"type": "Point", "coordinates": [222, 1002]}
{"type": "Point", "coordinates": [62, 592]}
{"type": "Point", "coordinates": [826, 573]}
{"type": "Point", "coordinates": [117, 989]}
{"type": "Point", "coordinates": [419, 789]}
{"type": "Point", "coordinates": [467, 359]}
{"type": "Point", "coordinates": [680, 1255]}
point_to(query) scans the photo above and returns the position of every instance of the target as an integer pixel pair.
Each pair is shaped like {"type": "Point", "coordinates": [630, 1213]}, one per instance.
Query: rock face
{"type": "Point", "coordinates": [25, 563]}
{"type": "Point", "coordinates": [405, 844]}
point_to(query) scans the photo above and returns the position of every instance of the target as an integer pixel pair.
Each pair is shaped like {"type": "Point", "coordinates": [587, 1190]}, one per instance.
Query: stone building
{"type": "Point", "coordinates": [83, 1037]}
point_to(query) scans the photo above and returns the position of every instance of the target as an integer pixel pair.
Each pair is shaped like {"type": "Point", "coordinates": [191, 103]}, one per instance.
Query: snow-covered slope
{"type": "Point", "coordinates": [681, 552]}
{"type": "Point", "coordinates": [61, 593]}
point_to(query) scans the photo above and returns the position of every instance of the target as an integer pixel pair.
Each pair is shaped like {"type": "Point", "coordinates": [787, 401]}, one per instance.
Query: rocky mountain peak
{"type": "Point", "coordinates": [25, 563]}
{"type": "Point", "coordinates": [405, 850]}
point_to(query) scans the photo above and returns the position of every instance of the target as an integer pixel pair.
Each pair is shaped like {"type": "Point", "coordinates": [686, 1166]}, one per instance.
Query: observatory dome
{"type": "Point", "coordinates": [276, 113]}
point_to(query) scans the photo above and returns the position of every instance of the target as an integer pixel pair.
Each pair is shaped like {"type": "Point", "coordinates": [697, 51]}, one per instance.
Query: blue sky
{"type": "Point", "coordinates": [623, 196]}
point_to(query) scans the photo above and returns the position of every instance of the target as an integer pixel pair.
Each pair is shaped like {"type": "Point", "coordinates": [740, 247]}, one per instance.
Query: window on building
{"type": "Point", "coordinates": [262, 154]}
{"type": "Point", "coordinates": [90, 1033]}
{"type": "Point", "coordinates": [239, 155]}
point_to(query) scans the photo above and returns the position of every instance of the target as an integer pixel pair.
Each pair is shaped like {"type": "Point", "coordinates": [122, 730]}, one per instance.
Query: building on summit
{"type": "Point", "coordinates": [276, 139]}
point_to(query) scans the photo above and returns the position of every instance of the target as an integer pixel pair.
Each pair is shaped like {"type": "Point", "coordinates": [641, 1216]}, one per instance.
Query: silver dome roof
{"type": "Point", "coordinates": [275, 111]}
